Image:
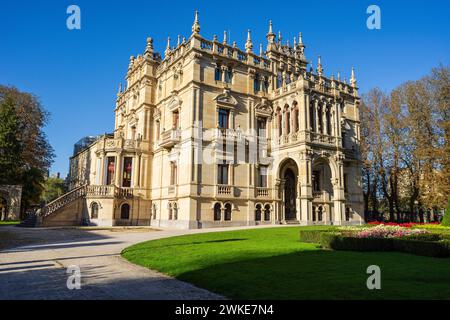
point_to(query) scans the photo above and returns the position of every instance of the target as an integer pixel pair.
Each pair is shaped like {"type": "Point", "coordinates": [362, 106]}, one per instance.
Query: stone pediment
{"type": "Point", "coordinates": [174, 101]}
{"type": "Point", "coordinates": [226, 99]}
{"type": "Point", "coordinates": [263, 108]}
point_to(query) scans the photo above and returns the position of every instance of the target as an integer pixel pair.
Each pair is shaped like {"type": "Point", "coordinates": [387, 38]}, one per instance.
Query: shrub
{"type": "Point", "coordinates": [424, 237]}
{"type": "Point", "coordinates": [423, 248]}
{"type": "Point", "coordinates": [433, 248]}
{"type": "Point", "coordinates": [312, 236]}
{"type": "Point", "coordinates": [446, 219]}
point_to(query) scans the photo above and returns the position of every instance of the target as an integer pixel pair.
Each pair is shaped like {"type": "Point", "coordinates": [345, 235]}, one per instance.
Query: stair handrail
{"type": "Point", "coordinates": [68, 197]}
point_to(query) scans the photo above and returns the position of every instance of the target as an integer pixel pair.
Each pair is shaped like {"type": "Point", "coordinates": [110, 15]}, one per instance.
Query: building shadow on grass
{"type": "Point", "coordinates": [326, 275]}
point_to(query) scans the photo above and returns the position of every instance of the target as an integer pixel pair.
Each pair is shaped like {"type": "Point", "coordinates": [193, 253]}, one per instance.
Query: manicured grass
{"type": "Point", "coordinates": [8, 223]}
{"type": "Point", "coordinates": [271, 263]}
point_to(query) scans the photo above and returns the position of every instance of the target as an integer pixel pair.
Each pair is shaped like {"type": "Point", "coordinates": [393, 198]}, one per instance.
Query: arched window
{"type": "Point", "coordinates": [94, 210]}
{"type": "Point", "coordinates": [258, 213]}
{"type": "Point", "coordinates": [311, 117]}
{"type": "Point", "coordinates": [267, 212]}
{"type": "Point", "coordinates": [320, 213]}
{"type": "Point", "coordinates": [227, 212]}
{"type": "Point", "coordinates": [295, 115]}
{"type": "Point", "coordinates": [280, 123]}
{"type": "Point", "coordinates": [175, 211]}
{"type": "Point", "coordinates": [313, 213]}
{"type": "Point", "coordinates": [125, 211]}
{"type": "Point", "coordinates": [328, 117]}
{"type": "Point", "coordinates": [287, 116]}
{"type": "Point", "coordinates": [217, 211]}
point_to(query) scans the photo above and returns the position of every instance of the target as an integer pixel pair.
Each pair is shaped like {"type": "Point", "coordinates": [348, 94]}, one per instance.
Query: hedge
{"type": "Point", "coordinates": [312, 236]}
{"type": "Point", "coordinates": [337, 241]}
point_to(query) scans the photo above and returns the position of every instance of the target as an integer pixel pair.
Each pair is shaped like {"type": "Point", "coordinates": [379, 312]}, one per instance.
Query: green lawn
{"type": "Point", "coordinates": [270, 263]}
{"type": "Point", "coordinates": [9, 223]}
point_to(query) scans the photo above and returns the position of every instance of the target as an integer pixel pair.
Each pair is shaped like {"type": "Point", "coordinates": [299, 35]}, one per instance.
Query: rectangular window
{"type": "Point", "coordinates": [175, 119]}
{"type": "Point", "coordinates": [345, 183]}
{"type": "Point", "coordinates": [261, 127]}
{"type": "Point", "coordinates": [222, 174]}
{"type": "Point", "coordinates": [223, 118]}
{"type": "Point", "coordinates": [173, 173]}
{"type": "Point", "coordinates": [256, 84]}
{"type": "Point", "coordinates": [110, 170]}
{"type": "Point", "coordinates": [127, 170]}
{"type": "Point", "coordinates": [262, 177]}
{"type": "Point", "coordinates": [228, 75]}
{"type": "Point", "coordinates": [218, 74]}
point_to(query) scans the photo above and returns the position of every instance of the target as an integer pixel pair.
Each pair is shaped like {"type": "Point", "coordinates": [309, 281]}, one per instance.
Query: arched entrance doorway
{"type": "Point", "coordinates": [290, 195]}
{"type": "Point", "coordinates": [288, 175]}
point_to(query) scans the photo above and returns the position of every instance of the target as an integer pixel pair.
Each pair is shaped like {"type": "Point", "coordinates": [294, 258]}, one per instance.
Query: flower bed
{"type": "Point", "coordinates": [404, 224]}
{"type": "Point", "coordinates": [380, 238]}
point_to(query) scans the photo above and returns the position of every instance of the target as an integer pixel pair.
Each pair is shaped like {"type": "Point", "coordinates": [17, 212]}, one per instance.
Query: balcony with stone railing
{"type": "Point", "coordinates": [262, 192]}
{"type": "Point", "coordinates": [224, 190]}
{"type": "Point", "coordinates": [115, 144]}
{"type": "Point", "coordinates": [169, 138]}
{"type": "Point", "coordinates": [321, 196]}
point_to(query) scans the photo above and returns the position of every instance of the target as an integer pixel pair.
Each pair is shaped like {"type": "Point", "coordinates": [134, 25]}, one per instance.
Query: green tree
{"type": "Point", "coordinates": [10, 145]}
{"type": "Point", "coordinates": [53, 189]}
{"type": "Point", "coordinates": [446, 219]}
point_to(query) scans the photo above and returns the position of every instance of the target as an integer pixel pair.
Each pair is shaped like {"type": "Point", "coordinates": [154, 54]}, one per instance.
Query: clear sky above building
{"type": "Point", "coordinates": [76, 73]}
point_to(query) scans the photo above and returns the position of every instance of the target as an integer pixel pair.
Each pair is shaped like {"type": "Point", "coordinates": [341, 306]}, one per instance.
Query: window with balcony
{"type": "Point", "coordinates": [316, 180]}
{"type": "Point", "coordinates": [222, 173]}
{"type": "Point", "coordinates": [127, 170]}
{"type": "Point", "coordinates": [262, 177]}
{"type": "Point", "coordinates": [175, 119]}
{"type": "Point", "coordinates": [110, 170]}
{"type": "Point", "coordinates": [261, 127]}
{"type": "Point", "coordinates": [223, 120]}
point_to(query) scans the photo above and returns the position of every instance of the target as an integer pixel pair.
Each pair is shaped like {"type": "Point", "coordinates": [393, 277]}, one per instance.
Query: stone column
{"type": "Point", "coordinates": [102, 168]}
{"type": "Point", "coordinates": [316, 115]}
{"type": "Point", "coordinates": [338, 191]}
{"type": "Point", "coordinates": [118, 173]}
{"type": "Point", "coordinates": [305, 177]}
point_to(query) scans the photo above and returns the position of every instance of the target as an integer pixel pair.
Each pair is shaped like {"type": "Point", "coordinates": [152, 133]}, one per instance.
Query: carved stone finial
{"type": "Point", "coordinates": [353, 78]}
{"type": "Point", "coordinates": [149, 47]}
{"type": "Point", "coordinates": [224, 37]}
{"type": "Point", "coordinates": [234, 44]}
{"type": "Point", "coordinates": [339, 76]}
{"type": "Point", "coordinates": [131, 62]}
{"type": "Point", "coordinates": [196, 25]}
{"type": "Point", "coordinates": [178, 40]}
{"type": "Point", "coordinates": [249, 43]}
{"type": "Point", "coordinates": [167, 52]}
{"type": "Point", "coordinates": [215, 38]}
{"type": "Point", "coordinates": [260, 50]}
{"type": "Point", "coordinates": [300, 38]}
{"type": "Point", "coordinates": [270, 35]}
{"type": "Point", "coordinates": [319, 67]}
{"type": "Point", "coordinates": [280, 38]}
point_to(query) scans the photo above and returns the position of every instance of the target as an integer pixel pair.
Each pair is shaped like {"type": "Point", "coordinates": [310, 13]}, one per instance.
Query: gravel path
{"type": "Point", "coordinates": [36, 268]}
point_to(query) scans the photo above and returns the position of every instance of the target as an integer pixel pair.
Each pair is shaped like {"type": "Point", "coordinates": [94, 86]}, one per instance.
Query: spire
{"type": "Point", "coordinates": [149, 47]}
{"type": "Point", "coordinates": [196, 25]}
{"type": "Point", "coordinates": [260, 50]}
{"type": "Point", "coordinates": [300, 38]}
{"type": "Point", "coordinates": [339, 76]}
{"type": "Point", "coordinates": [353, 79]}
{"type": "Point", "coordinates": [311, 68]}
{"type": "Point", "coordinates": [178, 41]}
{"type": "Point", "coordinates": [319, 67]}
{"type": "Point", "coordinates": [270, 35]}
{"type": "Point", "coordinates": [248, 44]}
{"type": "Point", "coordinates": [295, 43]}
{"type": "Point", "coordinates": [279, 37]}
{"type": "Point", "coordinates": [224, 37]}
{"type": "Point", "coordinates": [167, 52]}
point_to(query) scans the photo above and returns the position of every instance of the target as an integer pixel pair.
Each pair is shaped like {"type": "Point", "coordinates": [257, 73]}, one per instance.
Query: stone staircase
{"type": "Point", "coordinates": [37, 219]}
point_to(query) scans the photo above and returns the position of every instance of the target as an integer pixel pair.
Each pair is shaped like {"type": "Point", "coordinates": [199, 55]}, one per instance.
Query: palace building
{"type": "Point", "coordinates": [212, 135]}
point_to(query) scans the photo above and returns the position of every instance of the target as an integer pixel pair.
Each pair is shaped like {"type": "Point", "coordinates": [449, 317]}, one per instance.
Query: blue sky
{"type": "Point", "coordinates": [76, 73]}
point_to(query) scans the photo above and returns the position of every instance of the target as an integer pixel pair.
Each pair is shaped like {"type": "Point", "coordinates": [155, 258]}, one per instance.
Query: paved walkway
{"type": "Point", "coordinates": [38, 270]}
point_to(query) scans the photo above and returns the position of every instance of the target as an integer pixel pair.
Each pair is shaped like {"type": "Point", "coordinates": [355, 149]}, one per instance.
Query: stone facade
{"type": "Point", "coordinates": [212, 135]}
{"type": "Point", "coordinates": [10, 200]}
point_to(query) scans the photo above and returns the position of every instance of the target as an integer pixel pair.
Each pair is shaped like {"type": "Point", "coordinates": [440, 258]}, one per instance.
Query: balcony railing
{"type": "Point", "coordinates": [224, 190]}
{"type": "Point", "coordinates": [169, 138]}
{"type": "Point", "coordinates": [262, 192]}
